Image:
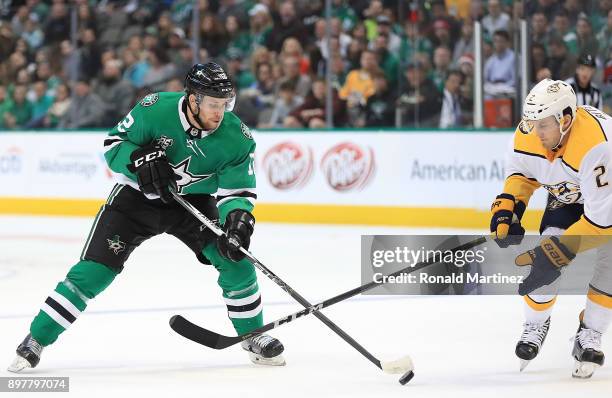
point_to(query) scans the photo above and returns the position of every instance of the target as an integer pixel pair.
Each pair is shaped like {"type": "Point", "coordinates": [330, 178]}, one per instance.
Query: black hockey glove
{"type": "Point", "coordinates": [506, 226]}
{"type": "Point", "coordinates": [546, 261]}
{"type": "Point", "coordinates": [154, 173]}
{"type": "Point", "coordinates": [238, 227]}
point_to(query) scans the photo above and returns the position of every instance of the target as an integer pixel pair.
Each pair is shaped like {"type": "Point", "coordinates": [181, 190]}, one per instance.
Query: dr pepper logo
{"type": "Point", "coordinates": [348, 166]}
{"type": "Point", "coordinates": [288, 165]}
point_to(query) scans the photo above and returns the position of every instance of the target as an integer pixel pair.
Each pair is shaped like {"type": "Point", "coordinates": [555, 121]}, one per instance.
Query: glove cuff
{"type": "Point", "coordinates": [504, 201]}
{"type": "Point", "coordinates": [558, 254]}
{"type": "Point", "coordinates": [239, 219]}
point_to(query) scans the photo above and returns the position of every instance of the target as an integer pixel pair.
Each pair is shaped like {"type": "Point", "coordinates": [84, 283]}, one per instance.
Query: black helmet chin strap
{"type": "Point", "coordinates": [196, 115]}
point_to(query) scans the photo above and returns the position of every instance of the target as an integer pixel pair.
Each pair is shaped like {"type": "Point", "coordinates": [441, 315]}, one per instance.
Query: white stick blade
{"type": "Point", "coordinates": [401, 365]}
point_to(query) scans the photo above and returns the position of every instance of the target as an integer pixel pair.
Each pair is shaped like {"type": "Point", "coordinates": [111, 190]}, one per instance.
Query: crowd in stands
{"type": "Point", "coordinates": [391, 64]}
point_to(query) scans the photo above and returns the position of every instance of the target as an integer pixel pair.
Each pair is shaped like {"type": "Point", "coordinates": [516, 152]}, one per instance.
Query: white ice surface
{"type": "Point", "coordinates": [122, 345]}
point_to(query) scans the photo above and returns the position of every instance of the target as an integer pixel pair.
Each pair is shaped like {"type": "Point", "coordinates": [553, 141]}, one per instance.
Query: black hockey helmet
{"type": "Point", "coordinates": [588, 60]}
{"type": "Point", "coordinates": [209, 79]}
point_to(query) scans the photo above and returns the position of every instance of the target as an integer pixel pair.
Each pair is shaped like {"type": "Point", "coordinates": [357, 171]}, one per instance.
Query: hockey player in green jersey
{"type": "Point", "coordinates": [193, 144]}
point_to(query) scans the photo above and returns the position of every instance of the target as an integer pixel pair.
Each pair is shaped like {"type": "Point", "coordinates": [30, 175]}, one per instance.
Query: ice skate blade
{"type": "Point", "coordinates": [584, 370]}
{"type": "Point", "coordinates": [18, 365]}
{"type": "Point", "coordinates": [524, 364]}
{"type": "Point", "coordinates": [274, 361]}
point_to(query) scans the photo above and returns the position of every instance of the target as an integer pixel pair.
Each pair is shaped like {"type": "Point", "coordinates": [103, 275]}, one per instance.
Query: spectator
{"type": "Point", "coordinates": [344, 40]}
{"type": "Point", "coordinates": [58, 24]}
{"type": "Point", "coordinates": [87, 20]}
{"type": "Point", "coordinates": [40, 105]}
{"type": "Point", "coordinates": [160, 70]}
{"type": "Point", "coordinates": [538, 60]}
{"type": "Point", "coordinates": [86, 110]}
{"type": "Point", "coordinates": [259, 97]}
{"type": "Point", "coordinates": [499, 70]}
{"type": "Point", "coordinates": [339, 71]}
{"type": "Point", "coordinates": [237, 39]}
{"type": "Point", "coordinates": [116, 93]}
{"type": "Point", "coordinates": [165, 27]}
{"type": "Point", "coordinates": [260, 24]}
{"type": "Point", "coordinates": [561, 63]}
{"type": "Point", "coordinates": [43, 72]}
{"type": "Point", "coordinates": [291, 72]}
{"type": "Point", "coordinates": [288, 25]}
{"type": "Point", "coordinates": [243, 78]}
{"type": "Point", "coordinates": [19, 20]}
{"type": "Point", "coordinates": [385, 28]}
{"type": "Point", "coordinates": [287, 102]}
{"type": "Point", "coordinates": [496, 20]}
{"type": "Point", "coordinates": [442, 62]}
{"type": "Point", "coordinates": [587, 93]}
{"type": "Point", "coordinates": [311, 113]}
{"type": "Point", "coordinates": [176, 42]}
{"type": "Point", "coordinates": [465, 44]}
{"type": "Point", "coordinates": [562, 29]}
{"type": "Point", "coordinates": [539, 28]}
{"type": "Point", "coordinates": [451, 114]}
{"type": "Point", "coordinates": [135, 68]}
{"type": "Point", "coordinates": [466, 67]}
{"type": "Point", "coordinates": [604, 37]}
{"type": "Point", "coordinates": [89, 55]}
{"type": "Point", "coordinates": [59, 107]}
{"type": "Point", "coordinates": [587, 43]}
{"type": "Point", "coordinates": [292, 48]}
{"type": "Point", "coordinates": [380, 108]}
{"type": "Point", "coordinates": [19, 112]}
{"type": "Point", "coordinates": [353, 55]}
{"type": "Point", "coordinates": [32, 34]}
{"type": "Point", "coordinates": [7, 40]}
{"type": "Point", "coordinates": [5, 104]}
{"type": "Point", "coordinates": [212, 35]}
{"type": "Point", "coordinates": [359, 85]}
{"type": "Point", "coordinates": [420, 100]}
{"type": "Point", "coordinates": [442, 35]}
{"type": "Point", "coordinates": [386, 58]}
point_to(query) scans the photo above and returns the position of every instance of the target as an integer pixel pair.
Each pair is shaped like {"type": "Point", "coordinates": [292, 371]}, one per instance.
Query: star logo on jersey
{"type": "Point", "coordinates": [116, 245]}
{"type": "Point", "coordinates": [186, 178]}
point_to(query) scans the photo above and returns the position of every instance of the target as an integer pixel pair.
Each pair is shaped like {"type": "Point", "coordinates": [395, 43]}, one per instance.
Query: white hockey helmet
{"type": "Point", "coordinates": [550, 98]}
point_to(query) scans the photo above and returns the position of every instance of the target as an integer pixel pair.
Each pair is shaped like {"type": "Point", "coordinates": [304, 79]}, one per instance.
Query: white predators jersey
{"type": "Point", "coordinates": [579, 172]}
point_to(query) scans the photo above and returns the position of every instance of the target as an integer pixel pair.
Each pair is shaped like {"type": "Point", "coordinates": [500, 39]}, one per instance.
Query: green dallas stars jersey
{"type": "Point", "coordinates": [219, 163]}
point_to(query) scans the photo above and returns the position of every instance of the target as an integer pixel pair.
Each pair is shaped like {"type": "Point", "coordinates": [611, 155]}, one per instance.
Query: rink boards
{"type": "Point", "coordinates": [412, 178]}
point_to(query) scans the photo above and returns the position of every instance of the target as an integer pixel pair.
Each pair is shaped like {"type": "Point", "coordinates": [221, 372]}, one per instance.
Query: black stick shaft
{"type": "Point", "coordinates": [266, 271]}
{"type": "Point", "coordinates": [353, 292]}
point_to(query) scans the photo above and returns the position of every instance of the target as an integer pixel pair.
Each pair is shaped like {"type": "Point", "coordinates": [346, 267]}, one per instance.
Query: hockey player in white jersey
{"type": "Point", "coordinates": [565, 149]}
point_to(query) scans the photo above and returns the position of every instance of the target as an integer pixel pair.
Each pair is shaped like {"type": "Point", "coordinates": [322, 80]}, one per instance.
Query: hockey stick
{"type": "Point", "coordinates": [182, 326]}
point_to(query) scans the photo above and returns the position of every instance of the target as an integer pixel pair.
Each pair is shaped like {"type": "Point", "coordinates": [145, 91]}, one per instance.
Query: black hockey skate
{"type": "Point", "coordinates": [587, 352]}
{"type": "Point", "coordinates": [264, 350]}
{"type": "Point", "coordinates": [28, 355]}
{"type": "Point", "coordinates": [531, 341]}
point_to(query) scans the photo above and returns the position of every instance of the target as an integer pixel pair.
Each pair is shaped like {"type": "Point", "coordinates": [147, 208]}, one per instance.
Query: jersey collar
{"type": "Point", "coordinates": [188, 128]}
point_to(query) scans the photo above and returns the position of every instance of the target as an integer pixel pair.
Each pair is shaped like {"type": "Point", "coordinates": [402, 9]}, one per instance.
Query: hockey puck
{"type": "Point", "coordinates": [406, 377]}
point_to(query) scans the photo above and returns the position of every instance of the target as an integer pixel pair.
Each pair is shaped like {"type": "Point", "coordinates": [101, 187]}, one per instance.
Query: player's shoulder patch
{"type": "Point", "coordinates": [246, 131]}
{"type": "Point", "coordinates": [149, 99]}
